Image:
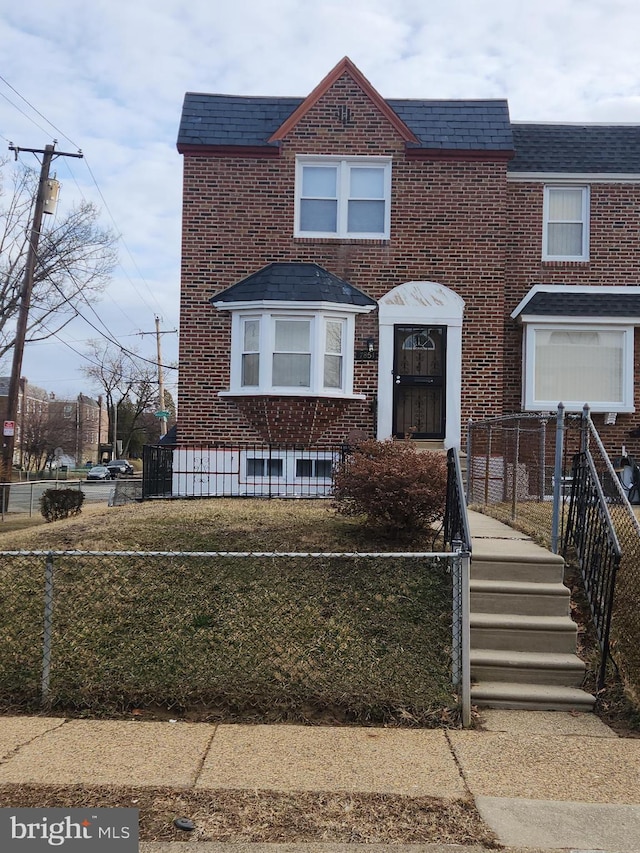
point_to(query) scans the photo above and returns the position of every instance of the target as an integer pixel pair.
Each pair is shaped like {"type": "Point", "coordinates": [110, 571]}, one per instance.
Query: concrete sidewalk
{"type": "Point", "coordinates": [541, 781]}
{"type": "Point", "coordinates": [548, 780]}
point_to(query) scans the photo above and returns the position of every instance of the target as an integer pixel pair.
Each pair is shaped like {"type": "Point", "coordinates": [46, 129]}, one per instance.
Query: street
{"type": "Point", "coordinates": [25, 497]}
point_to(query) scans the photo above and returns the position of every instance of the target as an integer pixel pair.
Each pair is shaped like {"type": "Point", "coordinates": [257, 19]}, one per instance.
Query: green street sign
{"type": "Point", "coordinates": [162, 414]}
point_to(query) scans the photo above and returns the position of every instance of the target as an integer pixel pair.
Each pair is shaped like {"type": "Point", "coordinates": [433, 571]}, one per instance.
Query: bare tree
{"type": "Point", "coordinates": [130, 387]}
{"type": "Point", "coordinates": [35, 440]}
{"type": "Point", "coordinates": [75, 258]}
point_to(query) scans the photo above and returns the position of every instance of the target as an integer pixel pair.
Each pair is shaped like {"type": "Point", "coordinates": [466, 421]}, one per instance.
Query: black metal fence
{"type": "Point", "coordinates": [456, 519]}
{"type": "Point", "coordinates": [591, 532]}
{"type": "Point", "coordinates": [240, 470]}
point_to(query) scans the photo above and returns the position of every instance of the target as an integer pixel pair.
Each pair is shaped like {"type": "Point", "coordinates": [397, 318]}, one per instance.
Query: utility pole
{"type": "Point", "coordinates": [48, 154]}
{"type": "Point", "coordinates": [161, 413]}
{"type": "Point", "coordinates": [163, 417]}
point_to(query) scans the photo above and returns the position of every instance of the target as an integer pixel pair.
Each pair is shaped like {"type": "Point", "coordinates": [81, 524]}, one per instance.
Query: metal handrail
{"type": "Point", "coordinates": [591, 531]}
{"type": "Point", "coordinates": [456, 518]}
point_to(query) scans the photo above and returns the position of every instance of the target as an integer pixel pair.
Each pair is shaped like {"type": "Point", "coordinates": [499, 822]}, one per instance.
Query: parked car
{"type": "Point", "coordinates": [120, 467]}
{"type": "Point", "coordinates": [100, 472]}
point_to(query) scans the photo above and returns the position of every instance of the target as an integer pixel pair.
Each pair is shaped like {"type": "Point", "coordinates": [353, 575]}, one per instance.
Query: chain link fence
{"type": "Point", "coordinates": [511, 475]}
{"type": "Point", "coordinates": [511, 464]}
{"type": "Point", "coordinates": [315, 637]}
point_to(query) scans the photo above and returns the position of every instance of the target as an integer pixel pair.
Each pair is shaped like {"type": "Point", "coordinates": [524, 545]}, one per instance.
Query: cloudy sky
{"type": "Point", "coordinates": [110, 76]}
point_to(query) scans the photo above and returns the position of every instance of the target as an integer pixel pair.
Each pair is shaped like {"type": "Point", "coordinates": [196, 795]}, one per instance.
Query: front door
{"type": "Point", "coordinates": [419, 381]}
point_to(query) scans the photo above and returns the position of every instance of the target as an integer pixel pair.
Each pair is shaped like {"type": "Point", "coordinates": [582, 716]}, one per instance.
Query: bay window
{"type": "Point", "coordinates": [285, 351]}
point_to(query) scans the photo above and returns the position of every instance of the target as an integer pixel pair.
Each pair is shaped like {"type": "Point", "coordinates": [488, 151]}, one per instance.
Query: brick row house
{"type": "Point", "coordinates": [79, 426]}
{"type": "Point", "coordinates": [354, 265]}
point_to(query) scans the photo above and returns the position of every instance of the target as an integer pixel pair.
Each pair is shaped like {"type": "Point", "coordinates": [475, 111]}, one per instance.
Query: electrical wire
{"type": "Point", "coordinates": [100, 193]}
{"type": "Point", "coordinates": [30, 118]}
{"type": "Point", "coordinates": [37, 111]}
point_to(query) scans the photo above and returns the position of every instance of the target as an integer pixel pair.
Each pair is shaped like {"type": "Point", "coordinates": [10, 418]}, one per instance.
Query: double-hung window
{"type": "Point", "coordinates": [345, 197]}
{"type": "Point", "coordinates": [566, 223]}
{"type": "Point", "coordinates": [291, 353]}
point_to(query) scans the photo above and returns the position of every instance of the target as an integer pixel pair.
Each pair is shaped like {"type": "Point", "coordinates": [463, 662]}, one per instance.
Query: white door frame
{"type": "Point", "coordinates": [418, 303]}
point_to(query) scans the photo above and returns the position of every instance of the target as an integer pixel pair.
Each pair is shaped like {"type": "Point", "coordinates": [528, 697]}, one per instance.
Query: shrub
{"type": "Point", "coordinates": [399, 491]}
{"type": "Point", "coordinates": [61, 503]}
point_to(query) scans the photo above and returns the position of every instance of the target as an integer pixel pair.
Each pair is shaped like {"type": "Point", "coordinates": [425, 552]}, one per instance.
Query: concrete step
{"type": "Point", "coordinates": [523, 633]}
{"type": "Point", "coordinates": [536, 567]}
{"type": "Point", "coordinates": [538, 697]}
{"type": "Point", "coordinates": [519, 597]}
{"type": "Point", "coordinates": [499, 665]}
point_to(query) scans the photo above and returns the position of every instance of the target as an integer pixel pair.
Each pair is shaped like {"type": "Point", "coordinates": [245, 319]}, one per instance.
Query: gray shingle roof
{"type": "Point", "coordinates": [293, 282]}
{"type": "Point", "coordinates": [231, 119]}
{"type": "Point", "coordinates": [249, 121]}
{"type": "Point", "coordinates": [471, 125]}
{"type": "Point", "coordinates": [564, 303]}
{"type": "Point", "coordinates": [576, 148]}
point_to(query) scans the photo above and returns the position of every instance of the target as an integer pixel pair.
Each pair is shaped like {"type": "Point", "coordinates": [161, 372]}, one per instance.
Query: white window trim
{"type": "Point", "coordinates": [318, 314]}
{"type": "Point", "coordinates": [530, 404]}
{"type": "Point", "coordinates": [344, 164]}
{"type": "Point", "coordinates": [584, 255]}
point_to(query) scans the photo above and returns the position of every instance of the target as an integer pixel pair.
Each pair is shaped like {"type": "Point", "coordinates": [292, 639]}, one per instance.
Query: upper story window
{"type": "Point", "coordinates": [292, 352]}
{"type": "Point", "coordinates": [566, 223]}
{"type": "Point", "coordinates": [348, 197]}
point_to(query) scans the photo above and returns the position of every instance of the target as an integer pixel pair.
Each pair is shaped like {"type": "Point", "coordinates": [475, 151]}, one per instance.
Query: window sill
{"type": "Point", "coordinates": [595, 408]}
{"type": "Point", "coordinates": [566, 261]}
{"type": "Point", "coordinates": [284, 393]}
{"type": "Point", "coordinates": [355, 241]}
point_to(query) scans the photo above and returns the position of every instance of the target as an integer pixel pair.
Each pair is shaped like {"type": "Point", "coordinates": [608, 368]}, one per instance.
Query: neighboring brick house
{"type": "Point", "coordinates": [79, 426]}
{"type": "Point", "coordinates": [351, 263]}
{"type": "Point", "coordinates": [32, 412]}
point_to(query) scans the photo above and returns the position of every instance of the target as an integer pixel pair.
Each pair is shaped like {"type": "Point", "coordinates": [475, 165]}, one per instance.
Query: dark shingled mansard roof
{"type": "Point", "coordinates": [606, 149]}
{"type": "Point", "coordinates": [293, 282]}
{"type": "Point", "coordinates": [238, 121]}
{"type": "Point", "coordinates": [230, 120]}
{"type": "Point", "coordinates": [564, 303]}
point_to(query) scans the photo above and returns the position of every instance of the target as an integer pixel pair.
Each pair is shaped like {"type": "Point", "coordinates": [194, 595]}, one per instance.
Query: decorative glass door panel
{"type": "Point", "coordinates": [419, 381]}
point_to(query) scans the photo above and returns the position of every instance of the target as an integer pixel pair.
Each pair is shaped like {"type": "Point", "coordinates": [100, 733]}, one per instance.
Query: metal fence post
{"type": "Point", "coordinates": [584, 428]}
{"type": "Point", "coordinates": [48, 627]}
{"type": "Point", "coordinates": [557, 479]}
{"type": "Point", "coordinates": [465, 565]}
{"type": "Point", "coordinates": [469, 471]}
{"type": "Point", "coordinates": [461, 663]}
{"type": "Point", "coordinates": [456, 610]}
{"type": "Point", "coordinates": [486, 468]}
{"type": "Point", "coordinates": [514, 475]}
{"type": "Point", "coordinates": [543, 460]}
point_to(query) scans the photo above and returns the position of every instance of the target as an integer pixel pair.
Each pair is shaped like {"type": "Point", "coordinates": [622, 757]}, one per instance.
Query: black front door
{"type": "Point", "coordinates": [419, 381]}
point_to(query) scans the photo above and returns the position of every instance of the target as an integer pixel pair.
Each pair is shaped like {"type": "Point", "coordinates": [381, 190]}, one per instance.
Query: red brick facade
{"type": "Point", "coordinates": [456, 220]}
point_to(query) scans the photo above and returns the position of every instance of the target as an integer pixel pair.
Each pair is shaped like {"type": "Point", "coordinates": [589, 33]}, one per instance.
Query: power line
{"type": "Point", "coordinates": [28, 117]}
{"type": "Point", "coordinates": [37, 111]}
{"type": "Point", "coordinates": [100, 193]}
{"type": "Point", "coordinates": [121, 238]}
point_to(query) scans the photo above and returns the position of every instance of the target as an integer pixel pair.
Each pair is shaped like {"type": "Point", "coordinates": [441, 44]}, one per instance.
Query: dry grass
{"type": "Point", "coordinates": [204, 525]}
{"type": "Point", "coordinates": [265, 816]}
{"type": "Point", "coordinates": [324, 640]}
